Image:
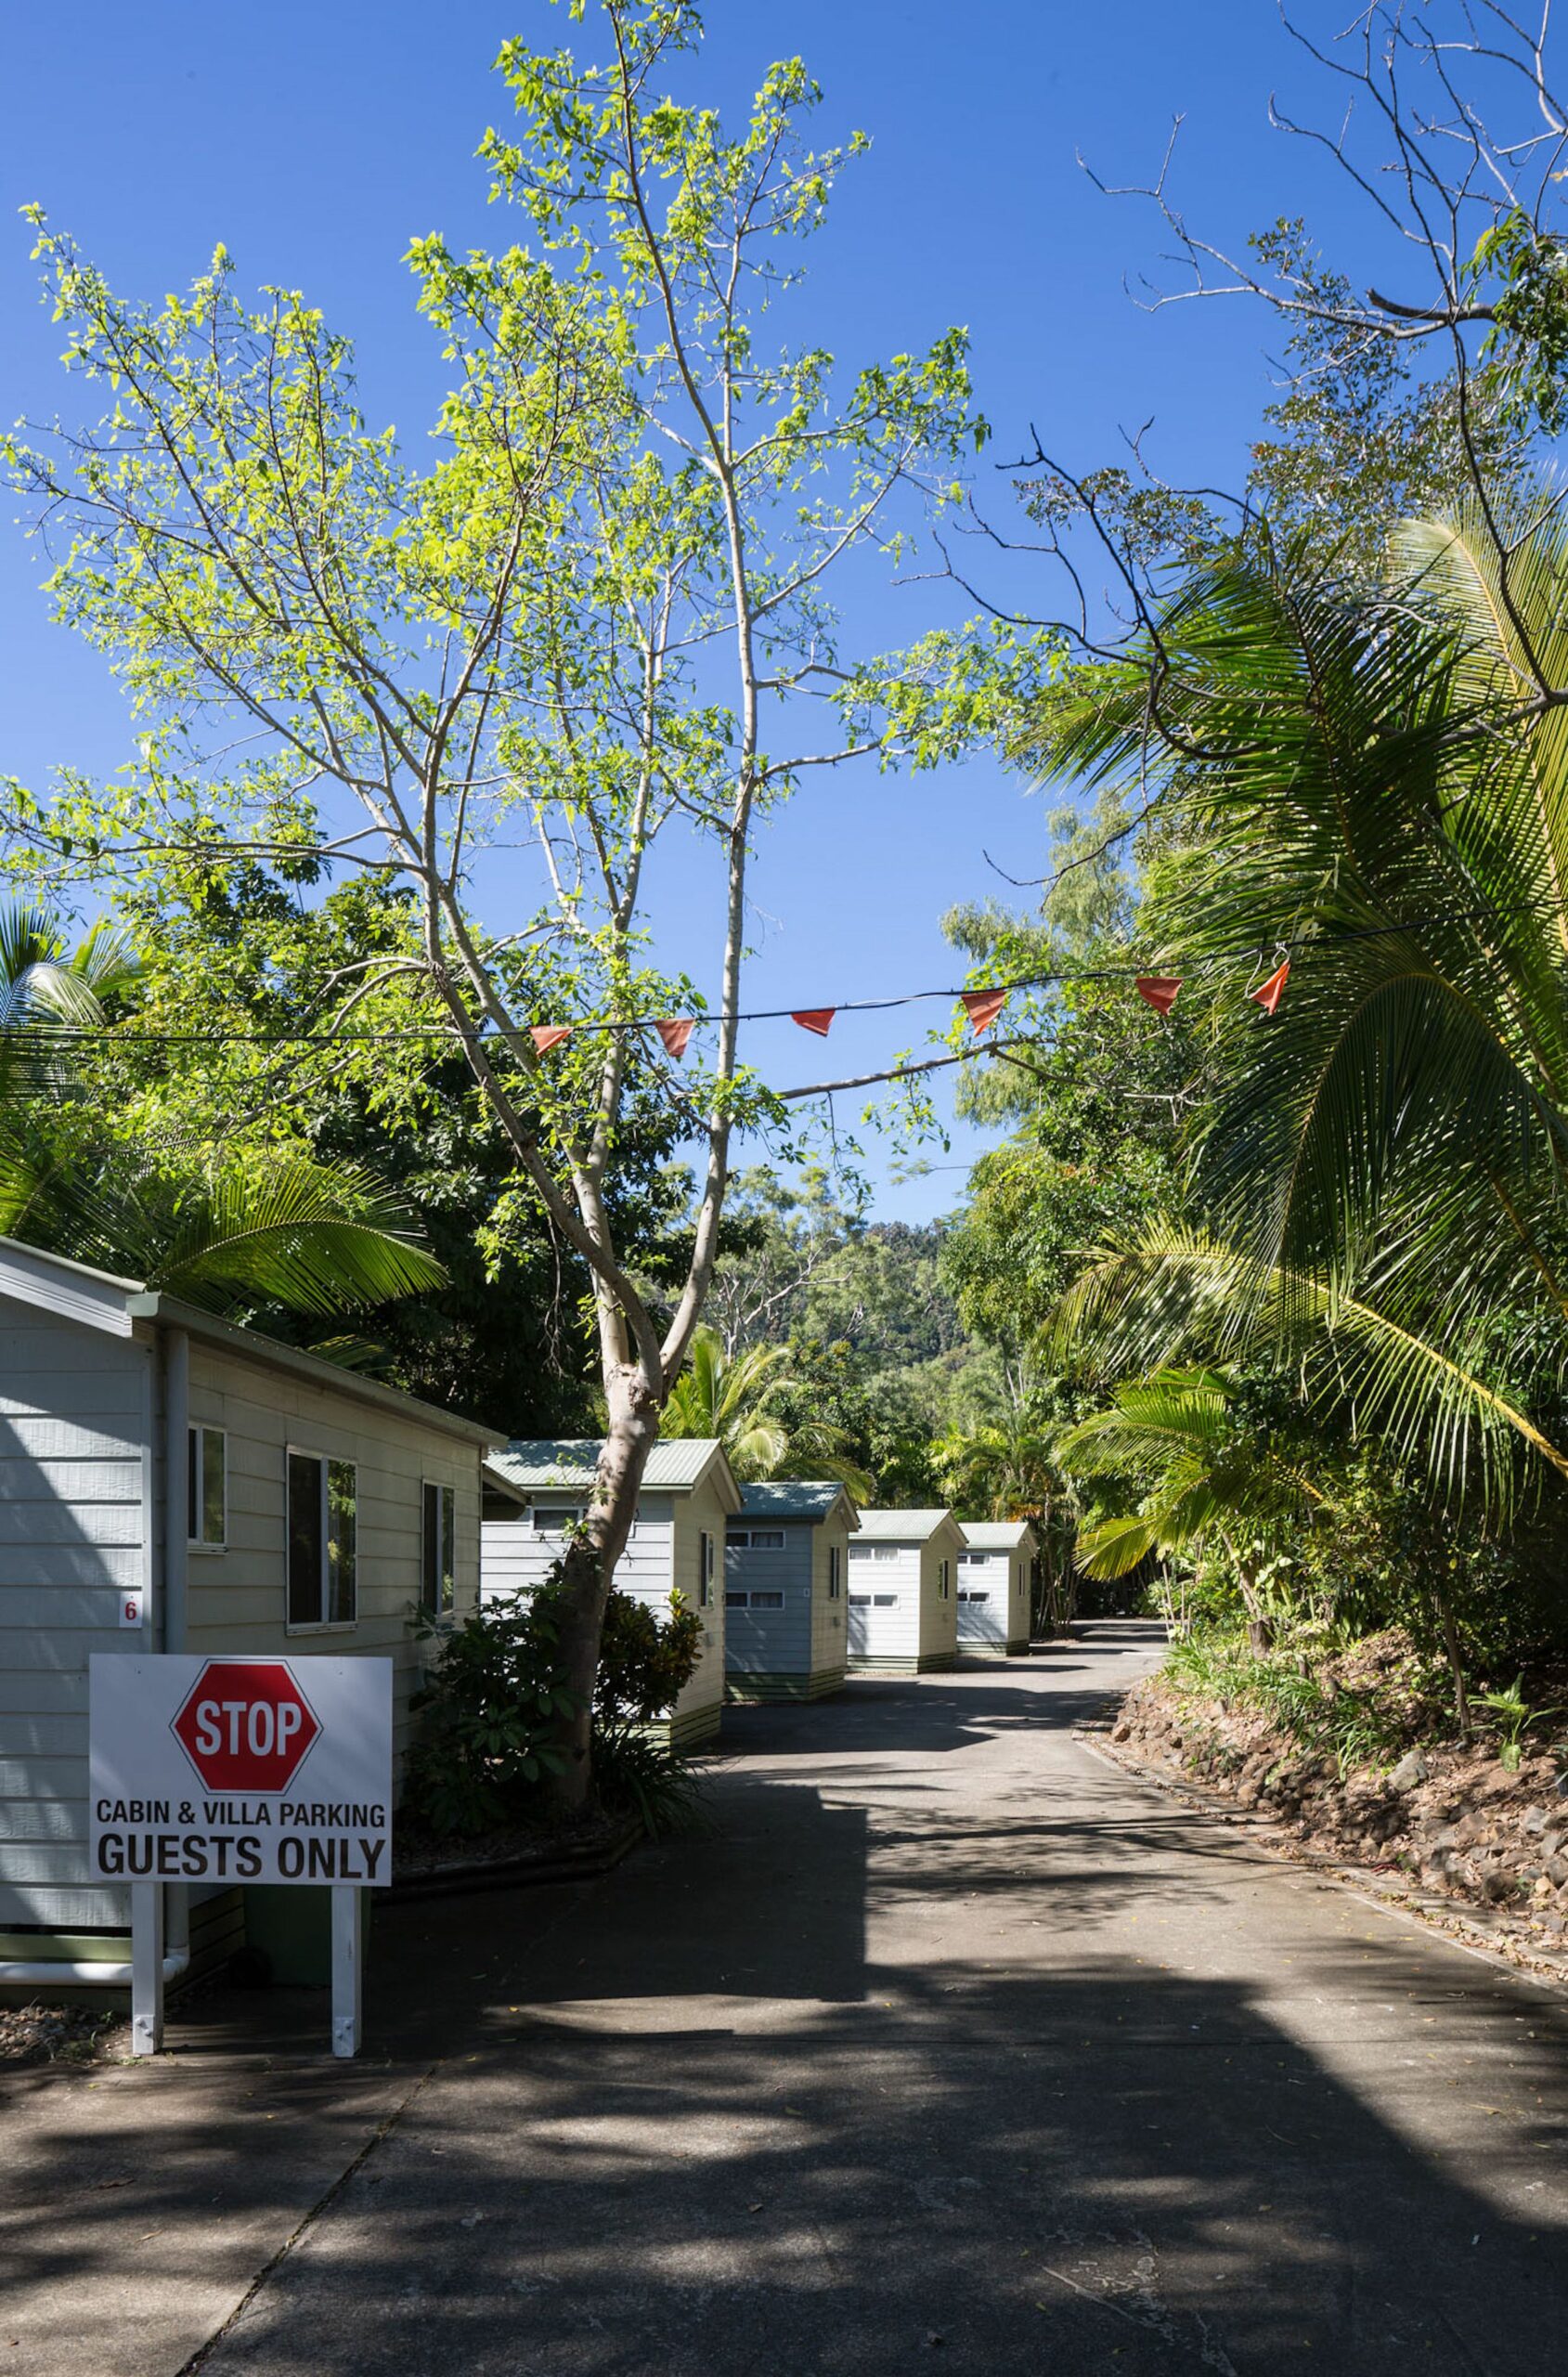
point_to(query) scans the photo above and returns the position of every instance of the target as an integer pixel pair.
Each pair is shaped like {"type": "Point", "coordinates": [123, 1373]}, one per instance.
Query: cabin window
{"type": "Point", "coordinates": [859, 1601]}
{"type": "Point", "coordinates": [438, 1549]}
{"type": "Point", "coordinates": [943, 1578]}
{"type": "Point", "coordinates": [835, 1571]}
{"type": "Point", "coordinates": [755, 1539]}
{"type": "Point", "coordinates": [885, 1600]}
{"type": "Point", "coordinates": [704, 1570]}
{"type": "Point", "coordinates": [206, 1488]}
{"type": "Point", "coordinates": [736, 1601]}
{"type": "Point", "coordinates": [554, 1518]}
{"type": "Point", "coordinates": [972, 1596]}
{"type": "Point", "coordinates": [766, 1601]}
{"type": "Point", "coordinates": [972, 1559]}
{"type": "Point", "coordinates": [1018, 1580]}
{"type": "Point", "coordinates": [323, 1551]}
{"type": "Point", "coordinates": [874, 1551]}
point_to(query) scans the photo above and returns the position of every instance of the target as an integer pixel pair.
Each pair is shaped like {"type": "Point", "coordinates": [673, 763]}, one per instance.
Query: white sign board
{"type": "Point", "coordinates": [241, 1770]}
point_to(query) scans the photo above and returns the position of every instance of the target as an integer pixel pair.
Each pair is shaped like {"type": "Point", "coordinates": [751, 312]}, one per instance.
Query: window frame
{"type": "Point", "coordinates": [445, 1604]}
{"type": "Point", "coordinates": [835, 1571]}
{"type": "Point", "coordinates": [706, 1558]}
{"type": "Point", "coordinates": [745, 1539]}
{"type": "Point", "coordinates": [197, 1432]}
{"type": "Point", "coordinates": [944, 1579]}
{"type": "Point", "coordinates": [326, 1462]}
{"type": "Point", "coordinates": [549, 1518]}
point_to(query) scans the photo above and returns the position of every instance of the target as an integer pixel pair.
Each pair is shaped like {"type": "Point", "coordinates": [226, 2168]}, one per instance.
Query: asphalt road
{"type": "Point", "coordinates": [953, 2048]}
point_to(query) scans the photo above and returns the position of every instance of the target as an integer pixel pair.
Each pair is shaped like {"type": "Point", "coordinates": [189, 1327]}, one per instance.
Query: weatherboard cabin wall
{"type": "Point", "coordinates": [902, 1611]}
{"type": "Point", "coordinates": [75, 1494]}
{"type": "Point", "coordinates": [994, 1578]}
{"type": "Point", "coordinates": [798, 1650]}
{"type": "Point", "coordinates": [235, 1597]}
{"type": "Point", "coordinates": [699, 1574]}
{"type": "Point", "coordinates": [830, 1601]}
{"type": "Point", "coordinates": [763, 1643]}
{"type": "Point", "coordinates": [884, 1594]}
{"type": "Point", "coordinates": [521, 1546]}
{"type": "Point", "coordinates": [938, 1597]}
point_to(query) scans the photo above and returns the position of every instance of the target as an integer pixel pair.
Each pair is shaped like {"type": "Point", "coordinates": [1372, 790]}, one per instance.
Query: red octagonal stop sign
{"type": "Point", "coordinates": [245, 1725]}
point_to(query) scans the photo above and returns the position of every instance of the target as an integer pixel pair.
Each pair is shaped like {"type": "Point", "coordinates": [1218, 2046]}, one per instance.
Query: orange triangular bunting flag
{"type": "Point", "coordinates": [1160, 990]}
{"type": "Point", "coordinates": [1268, 996]}
{"type": "Point", "coordinates": [813, 1019]}
{"type": "Point", "coordinates": [982, 1008]}
{"type": "Point", "coordinates": [545, 1037]}
{"type": "Point", "coordinates": [675, 1030]}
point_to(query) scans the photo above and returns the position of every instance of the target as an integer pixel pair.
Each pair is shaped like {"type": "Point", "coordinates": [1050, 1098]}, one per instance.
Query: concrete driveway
{"type": "Point", "coordinates": [954, 2047]}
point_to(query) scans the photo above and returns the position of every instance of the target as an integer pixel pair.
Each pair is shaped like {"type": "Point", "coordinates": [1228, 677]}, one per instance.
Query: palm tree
{"type": "Point", "coordinates": [220, 1228]}
{"type": "Point", "coordinates": [730, 1397]}
{"type": "Point", "coordinates": [1374, 784]}
{"type": "Point", "coordinates": [999, 1467]}
{"type": "Point", "coordinates": [1209, 1479]}
{"type": "Point", "coordinates": [273, 1227]}
{"type": "Point", "coordinates": [47, 995]}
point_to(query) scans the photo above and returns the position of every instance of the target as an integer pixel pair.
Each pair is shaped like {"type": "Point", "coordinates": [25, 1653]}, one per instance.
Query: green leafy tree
{"type": "Point", "coordinates": [601, 616]}
{"type": "Point", "coordinates": [221, 1040]}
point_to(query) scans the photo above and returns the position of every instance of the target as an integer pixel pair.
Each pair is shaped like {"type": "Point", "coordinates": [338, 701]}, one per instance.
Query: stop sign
{"type": "Point", "coordinates": [245, 1725]}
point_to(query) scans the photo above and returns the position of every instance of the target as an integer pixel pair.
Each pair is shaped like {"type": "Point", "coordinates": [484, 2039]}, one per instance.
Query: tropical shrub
{"type": "Point", "coordinates": [490, 1715]}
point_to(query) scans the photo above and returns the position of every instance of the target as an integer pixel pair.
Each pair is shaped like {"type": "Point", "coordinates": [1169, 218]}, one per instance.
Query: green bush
{"type": "Point", "coordinates": [1346, 1722]}
{"type": "Point", "coordinates": [491, 1713]}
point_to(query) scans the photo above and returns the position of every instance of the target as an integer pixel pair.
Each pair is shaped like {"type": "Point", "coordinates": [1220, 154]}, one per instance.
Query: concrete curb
{"type": "Point", "coordinates": [516, 1873]}
{"type": "Point", "coordinates": [1473, 1928]}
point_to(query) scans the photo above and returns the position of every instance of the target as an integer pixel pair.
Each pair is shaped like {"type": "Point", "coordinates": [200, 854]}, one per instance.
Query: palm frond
{"type": "Point", "coordinates": [319, 1238]}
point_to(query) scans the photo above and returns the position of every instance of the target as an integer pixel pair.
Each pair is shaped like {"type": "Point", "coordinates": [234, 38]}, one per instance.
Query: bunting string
{"type": "Point", "coordinates": [982, 1006]}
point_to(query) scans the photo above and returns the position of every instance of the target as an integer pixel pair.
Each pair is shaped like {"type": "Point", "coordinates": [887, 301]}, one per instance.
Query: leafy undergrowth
{"type": "Point", "coordinates": [1353, 1753]}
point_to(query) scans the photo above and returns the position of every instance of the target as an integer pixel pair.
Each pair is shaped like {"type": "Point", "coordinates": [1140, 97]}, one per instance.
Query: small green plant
{"type": "Point", "coordinates": [1513, 1716]}
{"type": "Point", "coordinates": [490, 1718]}
{"type": "Point", "coordinates": [648, 1778]}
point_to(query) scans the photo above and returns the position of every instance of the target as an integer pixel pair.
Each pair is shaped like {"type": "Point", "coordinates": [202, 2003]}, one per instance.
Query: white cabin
{"type": "Point", "coordinates": [995, 1587]}
{"type": "Point", "coordinates": [785, 1586]}
{"type": "Point", "coordinates": [675, 1545]}
{"type": "Point", "coordinates": [903, 1612]}
{"type": "Point", "coordinates": [315, 1511]}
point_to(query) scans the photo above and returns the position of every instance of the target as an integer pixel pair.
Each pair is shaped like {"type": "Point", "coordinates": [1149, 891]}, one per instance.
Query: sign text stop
{"type": "Point", "coordinates": [245, 1725]}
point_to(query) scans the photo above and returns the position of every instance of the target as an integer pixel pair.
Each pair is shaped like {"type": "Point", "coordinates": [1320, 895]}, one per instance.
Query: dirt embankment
{"type": "Point", "coordinates": [1449, 1817]}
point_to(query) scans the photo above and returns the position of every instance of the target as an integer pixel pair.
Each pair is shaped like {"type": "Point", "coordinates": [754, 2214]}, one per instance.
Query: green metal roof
{"type": "Point", "coordinates": [797, 1497]}
{"type": "Point", "coordinates": [903, 1527]}
{"type": "Point", "coordinates": [996, 1535]}
{"type": "Point", "coordinates": [676, 1466]}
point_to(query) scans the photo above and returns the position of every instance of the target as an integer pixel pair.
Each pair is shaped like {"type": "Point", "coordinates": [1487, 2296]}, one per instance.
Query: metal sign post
{"type": "Point", "coordinates": [147, 1968]}
{"type": "Point", "coordinates": [241, 1770]}
{"type": "Point", "coordinates": [347, 1970]}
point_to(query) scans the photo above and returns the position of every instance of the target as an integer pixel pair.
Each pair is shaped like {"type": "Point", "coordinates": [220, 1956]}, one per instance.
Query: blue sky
{"type": "Point", "coordinates": [314, 141]}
